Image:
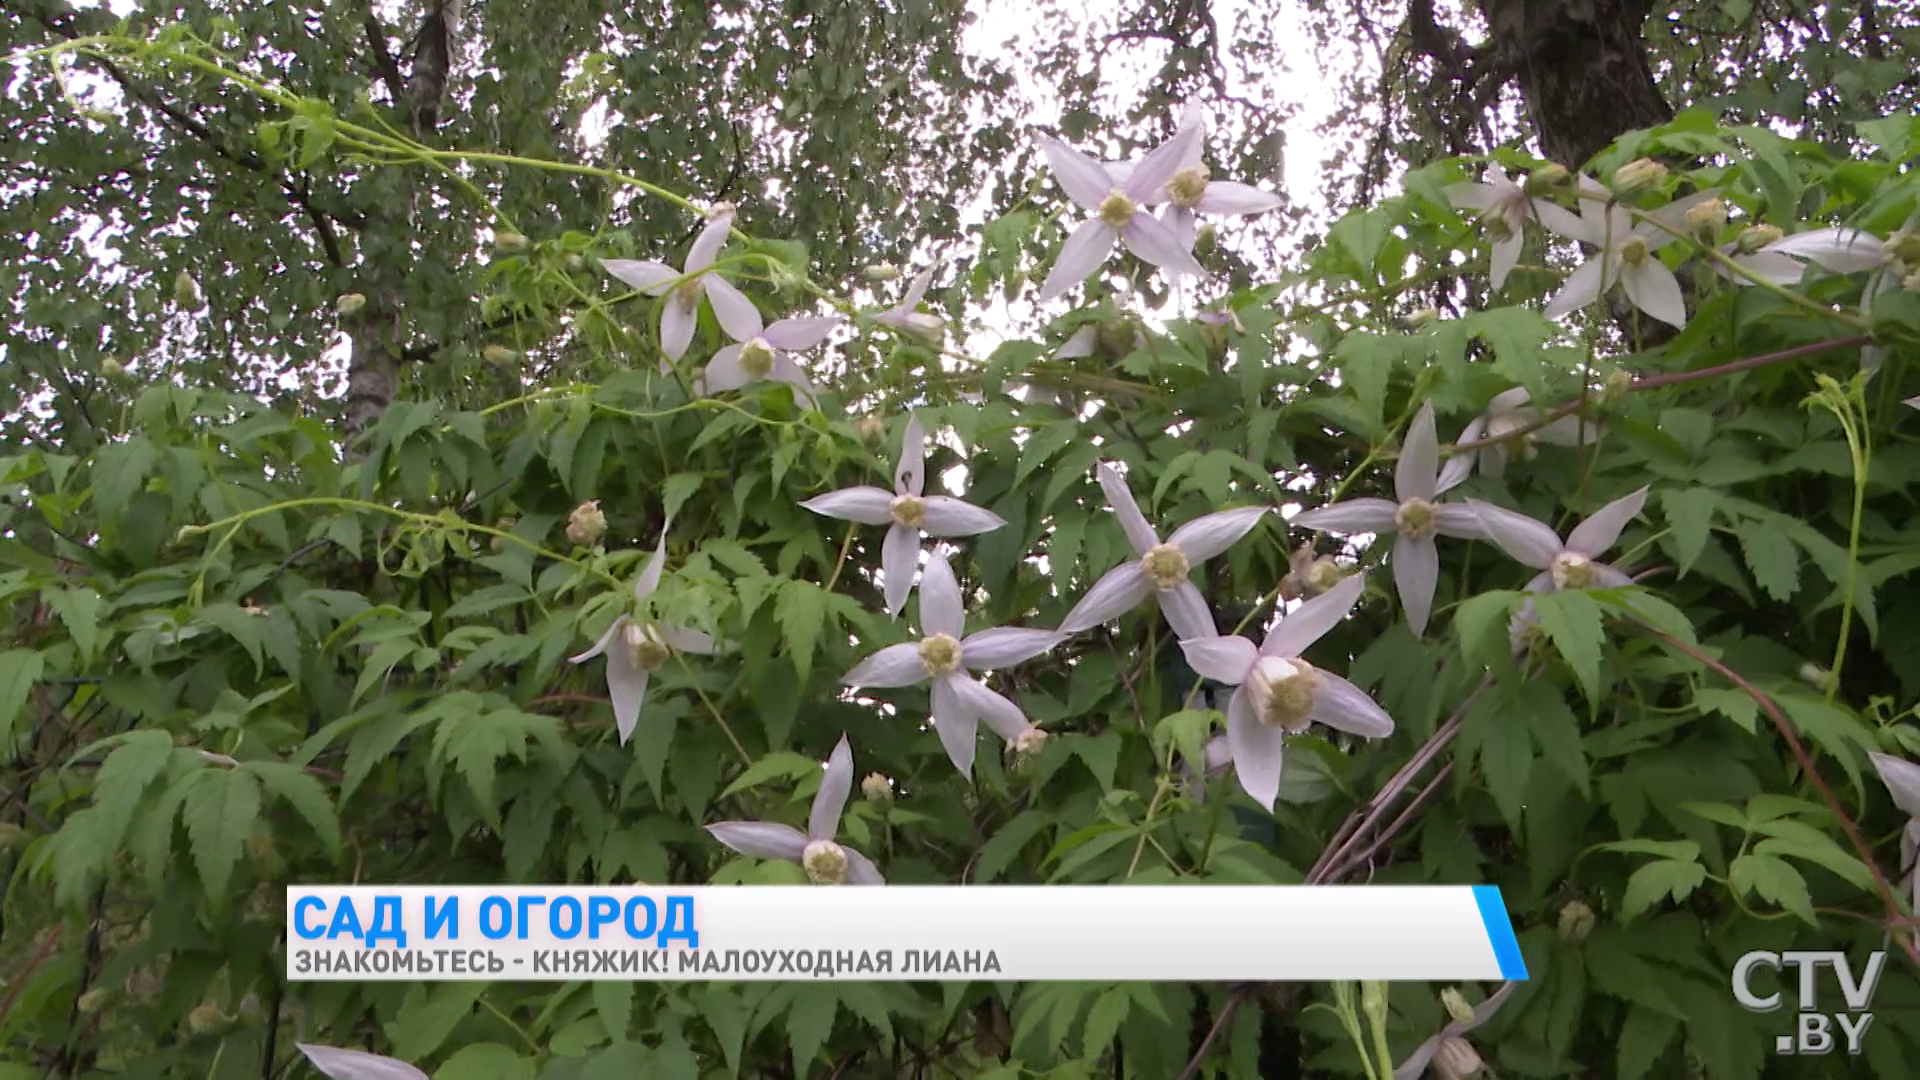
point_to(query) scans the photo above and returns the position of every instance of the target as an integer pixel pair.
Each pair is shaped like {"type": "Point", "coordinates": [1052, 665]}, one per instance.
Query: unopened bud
{"type": "Point", "coordinates": [186, 292]}
{"type": "Point", "coordinates": [1456, 1005]}
{"type": "Point", "coordinates": [1619, 382]}
{"type": "Point", "coordinates": [498, 355]}
{"type": "Point", "coordinates": [91, 1001]}
{"type": "Point", "coordinates": [1576, 922]}
{"type": "Point", "coordinates": [1911, 282]}
{"type": "Point", "coordinates": [877, 788]}
{"type": "Point", "coordinates": [881, 272]}
{"type": "Point", "coordinates": [1638, 175]}
{"type": "Point", "coordinates": [1324, 574]}
{"type": "Point", "coordinates": [1373, 1000]}
{"type": "Point", "coordinates": [509, 243]}
{"type": "Point", "coordinates": [1755, 237]}
{"type": "Point", "coordinates": [575, 264]}
{"type": "Point", "coordinates": [1423, 317]}
{"type": "Point", "coordinates": [1456, 1059]}
{"type": "Point", "coordinates": [206, 1019]}
{"type": "Point", "coordinates": [1815, 676]}
{"type": "Point", "coordinates": [586, 525]}
{"type": "Point", "coordinates": [349, 305]}
{"type": "Point", "coordinates": [872, 429]}
{"type": "Point", "coordinates": [12, 836]}
{"type": "Point", "coordinates": [1903, 246]}
{"type": "Point", "coordinates": [1205, 239]}
{"type": "Point", "coordinates": [1117, 338]}
{"type": "Point", "coordinates": [505, 524]}
{"type": "Point", "coordinates": [1706, 216]}
{"type": "Point", "coordinates": [112, 368]}
{"type": "Point", "coordinates": [1547, 178]}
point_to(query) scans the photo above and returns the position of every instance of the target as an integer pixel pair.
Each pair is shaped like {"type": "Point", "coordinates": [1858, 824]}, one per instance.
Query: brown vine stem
{"type": "Point", "coordinates": [1213, 1033]}
{"type": "Point", "coordinates": [1785, 727]}
{"type": "Point", "coordinates": [25, 976]}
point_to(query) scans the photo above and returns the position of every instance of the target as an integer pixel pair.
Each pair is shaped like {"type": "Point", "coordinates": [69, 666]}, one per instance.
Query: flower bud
{"type": "Point", "coordinates": [113, 369]}
{"type": "Point", "coordinates": [1705, 217]}
{"type": "Point", "coordinates": [877, 788]}
{"type": "Point", "coordinates": [1456, 1005]}
{"type": "Point", "coordinates": [1373, 1000]}
{"type": "Point", "coordinates": [509, 243]}
{"type": "Point", "coordinates": [1456, 1059]}
{"type": "Point", "coordinates": [1322, 575]}
{"type": "Point", "coordinates": [186, 291]}
{"type": "Point", "coordinates": [206, 1019]}
{"type": "Point", "coordinates": [1903, 247]}
{"type": "Point", "coordinates": [349, 305]}
{"type": "Point", "coordinates": [1619, 383]}
{"type": "Point", "coordinates": [1547, 178]}
{"type": "Point", "coordinates": [12, 837]}
{"type": "Point", "coordinates": [498, 355]}
{"type": "Point", "coordinates": [1755, 237]}
{"type": "Point", "coordinates": [872, 429]}
{"type": "Point", "coordinates": [91, 1001]}
{"type": "Point", "coordinates": [1815, 676]}
{"type": "Point", "coordinates": [1206, 239]}
{"type": "Point", "coordinates": [1638, 175]}
{"type": "Point", "coordinates": [881, 272]}
{"type": "Point", "coordinates": [1420, 319]}
{"type": "Point", "coordinates": [505, 524]}
{"type": "Point", "coordinates": [1576, 922]}
{"type": "Point", "coordinates": [586, 525]}
{"type": "Point", "coordinates": [1911, 283]}
{"type": "Point", "coordinates": [575, 264]}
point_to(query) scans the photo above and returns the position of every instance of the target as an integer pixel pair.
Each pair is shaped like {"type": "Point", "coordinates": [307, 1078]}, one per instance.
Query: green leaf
{"type": "Point", "coordinates": [428, 1015]}
{"type": "Point", "coordinates": [220, 811]}
{"type": "Point", "coordinates": [1103, 1022]}
{"type": "Point", "coordinates": [1005, 844]}
{"type": "Point", "coordinates": [79, 609]}
{"type": "Point", "coordinates": [727, 1019]}
{"type": "Point", "coordinates": [1499, 739]}
{"type": "Point", "coordinates": [675, 492]}
{"type": "Point", "coordinates": [1482, 621]}
{"type": "Point", "coordinates": [475, 742]}
{"type": "Point", "coordinates": [778, 765]}
{"type": "Point", "coordinates": [1572, 622]}
{"type": "Point", "coordinates": [1102, 755]}
{"type": "Point", "coordinates": [1689, 522]}
{"type": "Point", "coordinates": [1556, 730]}
{"type": "Point", "coordinates": [120, 471]}
{"type": "Point", "coordinates": [1620, 973]}
{"type": "Point", "coordinates": [19, 670]}
{"type": "Point", "coordinates": [1772, 558]}
{"type": "Point", "coordinates": [1775, 880]}
{"type": "Point", "coordinates": [613, 1003]}
{"type": "Point", "coordinates": [1735, 705]}
{"type": "Point", "coordinates": [1660, 879]}
{"type": "Point", "coordinates": [489, 1061]}
{"type": "Point", "coordinates": [1042, 443]}
{"type": "Point", "coordinates": [1799, 840]}
{"type": "Point", "coordinates": [1643, 1040]}
{"type": "Point", "coordinates": [305, 794]}
{"type": "Point", "coordinates": [1684, 850]}
{"type": "Point", "coordinates": [809, 1022]}
{"type": "Point", "coordinates": [801, 610]}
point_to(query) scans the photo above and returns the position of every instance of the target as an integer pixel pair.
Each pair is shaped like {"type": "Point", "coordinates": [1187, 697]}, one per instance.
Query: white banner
{"type": "Point", "coordinates": [1018, 933]}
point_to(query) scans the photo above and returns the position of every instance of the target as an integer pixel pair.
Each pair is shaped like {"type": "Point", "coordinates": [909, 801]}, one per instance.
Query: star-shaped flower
{"type": "Point", "coordinates": [342, 1064]}
{"type": "Point", "coordinates": [731, 308]}
{"type": "Point", "coordinates": [765, 354]}
{"type": "Point", "coordinates": [960, 701]}
{"type": "Point", "coordinates": [1505, 207]}
{"type": "Point", "coordinates": [826, 862]}
{"type": "Point", "coordinates": [910, 513]}
{"type": "Point", "coordinates": [1415, 518]}
{"type": "Point", "coordinates": [1783, 259]}
{"type": "Point", "coordinates": [1280, 694]}
{"type": "Point", "coordinates": [1119, 212]}
{"type": "Point", "coordinates": [1448, 1051]}
{"type": "Point", "coordinates": [1506, 413]}
{"type": "Point", "coordinates": [1161, 569]}
{"type": "Point", "coordinates": [1569, 565]}
{"type": "Point", "coordinates": [1191, 190]}
{"type": "Point", "coordinates": [1903, 783]}
{"type": "Point", "coordinates": [1625, 255]}
{"type": "Point", "coordinates": [905, 317]}
{"type": "Point", "coordinates": [636, 648]}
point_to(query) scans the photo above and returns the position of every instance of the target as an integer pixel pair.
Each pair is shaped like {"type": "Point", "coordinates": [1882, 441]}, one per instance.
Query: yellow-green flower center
{"type": "Point", "coordinates": [1188, 185]}
{"type": "Point", "coordinates": [909, 510]}
{"type": "Point", "coordinates": [1116, 210]}
{"type": "Point", "coordinates": [1572, 570]}
{"type": "Point", "coordinates": [1633, 251]}
{"type": "Point", "coordinates": [756, 358]}
{"type": "Point", "coordinates": [1166, 565]}
{"type": "Point", "coordinates": [940, 654]}
{"type": "Point", "coordinates": [1497, 225]}
{"type": "Point", "coordinates": [687, 293]}
{"type": "Point", "coordinates": [646, 648]}
{"type": "Point", "coordinates": [825, 863]}
{"type": "Point", "coordinates": [1414, 519]}
{"type": "Point", "coordinates": [1755, 237]}
{"type": "Point", "coordinates": [1283, 690]}
{"type": "Point", "coordinates": [1029, 742]}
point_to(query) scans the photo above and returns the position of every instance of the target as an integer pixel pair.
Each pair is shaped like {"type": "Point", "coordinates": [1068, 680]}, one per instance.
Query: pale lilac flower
{"type": "Point", "coordinates": [1190, 191]}
{"type": "Point", "coordinates": [636, 648]}
{"type": "Point", "coordinates": [766, 353]}
{"type": "Point", "coordinates": [1569, 565]}
{"type": "Point", "coordinates": [1119, 212]}
{"type": "Point", "coordinates": [1508, 412]}
{"type": "Point", "coordinates": [731, 308]}
{"type": "Point", "coordinates": [342, 1064]}
{"type": "Point", "coordinates": [1625, 256]}
{"type": "Point", "coordinates": [1784, 261]}
{"type": "Point", "coordinates": [1903, 783]}
{"type": "Point", "coordinates": [826, 862]}
{"type": "Point", "coordinates": [904, 316]}
{"type": "Point", "coordinates": [1280, 694]}
{"type": "Point", "coordinates": [1450, 1046]}
{"type": "Point", "coordinates": [960, 701]}
{"type": "Point", "coordinates": [1413, 516]}
{"type": "Point", "coordinates": [909, 513]}
{"type": "Point", "coordinates": [1161, 569]}
{"type": "Point", "coordinates": [1504, 207]}
{"type": "Point", "coordinates": [1912, 403]}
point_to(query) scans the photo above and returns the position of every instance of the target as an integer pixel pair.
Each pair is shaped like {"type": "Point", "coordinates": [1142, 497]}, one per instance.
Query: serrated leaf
{"type": "Point", "coordinates": [1621, 974]}
{"type": "Point", "coordinates": [809, 1022]}
{"type": "Point", "coordinates": [79, 611]}
{"type": "Point", "coordinates": [220, 811]}
{"type": "Point", "coordinates": [488, 1061]}
{"type": "Point", "coordinates": [305, 794]}
{"type": "Point", "coordinates": [120, 470]}
{"type": "Point", "coordinates": [1571, 620]}
{"type": "Point", "coordinates": [1771, 557]}
{"type": "Point", "coordinates": [1103, 1022]}
{"type": "Point", "coordinates": [1643, 1040]}
{"type": "Point", "coordinates": [1042, 443]}
{"type": "Point", "coordinates": [727, 1019]}
{"type": "Point", "coordinates": [1556, 730]}
{"type": "Point", "coordinates": [19, 670]}
{"type": "Point", "coordinates": [1006, 842]}
{"type": "Point", "coordinates": [1101, 753]}
{"type": "Point", "coordinates": [613, 1004]}
{"type": "Point", "coordinates": [1482, 621]}
{"type": "Point", "coordinates": [1775, 880]}
{"type": "Point", "coordinates": [1689, 522]}
{"type": "Point", "coordinates": [428, 1015]}
{"type": "Point", "coordinates": [676, 491]}
{"type": "Point", "coordinates": [1735, 705]}
{"type": "Point", "coordinates": [801, 610]}
{"type": "Point", "coordinates": [1658, 880]}
{"type": "Point", "coordinates": [1799, 840]}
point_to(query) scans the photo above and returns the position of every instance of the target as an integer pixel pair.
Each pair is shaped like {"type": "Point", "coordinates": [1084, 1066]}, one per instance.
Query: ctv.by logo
{"type": "Point", "coordinates": [1813, 1032]}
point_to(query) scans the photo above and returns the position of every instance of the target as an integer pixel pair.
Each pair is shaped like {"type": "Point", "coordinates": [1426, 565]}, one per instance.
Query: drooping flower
{"type": "Point", "coordinates": [1508, 412]}
{"type": "Point", "coordinates": [1279, 694]}
{"type": "Point", "coordinates": [1448, 1052]}
{"type": "Point", "coordinates": [1505, 207]}
{"type": "Point", "coordinates": [960, 702]}
{"type": "Point", "coordinates": [1783, 259]}
{"type": "Point", "coordinates": [1119, 211]}
{"type": "Point", "coordinates": [766, 353]}
{"type": "Point", "coordinates": [343, 1064]}
{"type": "Point", "coordinates": [826, 862]}
{"type": "Point", "coordinates": [905, 317]}
{"type": "Point", "coordinates": [635, 647]}
{"type": "Point", "coordinates": [1903, 783]}
{"type": "Point", "coordinates": [731, 308]}
{"type": "Point", "coordinates": [1414, 517]}
{"type": "Point", "coordinates": [1192, 191]}
{"type": "Point", "coordinates": [1570, 565]}
{"type": "Point", "coordinates": [909, 513]}
{"type": "Point", "coordinates": [1162, 568]}
{"type": "Point", "coordinates": [1626, 255]}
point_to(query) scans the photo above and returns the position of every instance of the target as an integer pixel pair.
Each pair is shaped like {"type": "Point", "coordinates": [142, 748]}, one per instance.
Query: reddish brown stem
{"type": "Point", "coordinates": [26, 973]}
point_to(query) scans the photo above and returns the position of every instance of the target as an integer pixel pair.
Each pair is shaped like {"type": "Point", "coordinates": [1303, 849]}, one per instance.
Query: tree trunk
{"type": "Point", "coordinates": [1582, 69]}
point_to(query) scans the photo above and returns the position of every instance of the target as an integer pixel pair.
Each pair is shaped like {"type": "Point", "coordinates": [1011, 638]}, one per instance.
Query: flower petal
{"type": "Point", "coordinates": [895, 665]}
{"type": "Point", "coordinates": [1342, 705]}
{"type": "Point", "coordinates": [677, 321]}
{"type": "Point", "coordinates": [761, 839]}
{"type": "Point", "coordinates": [1573, 430]}
{"type": "Point", "coordinates": [1204, 537]}
{"type": "Point", "coordinates": [1186, 611]}
{"type": "Point", "coordinates": [1416, 574]}
{"type": "Point", "coordinates": [899, 558]}
{"type": "Point", "coordinates": [1182, 223]}
{"type": "Point", "coordinates": [1257, 750]}
{"type": "Point", "coordinates": [1558, 219]}
{"type": "Point", "coordinates": [731, 309]}
{"type": "Point", "coordinates": [1902, 779]}
{"type": "Point", "coordinates": [1085, 180]}
{"type": "Point", "coordinates": [1227, 197]}
{"type": "Point", "coordinates": [1417, 473]}
{"type": "Point", "coordinates": [1159, 164]}
{"type": "Point", "coordinates": [942, 611]}
{"type": "Point", "coordinates": [646, 275]}
{"type": "Point", "coordinates": [1222, 659]}
{"type": "Point", "coordinates": [1311, 621]}
{"type": "Point", "coordinates": [1603, 527]}
{"type": "Point", "coordinates": [1503, 257]}
{"type": "Point", "coordinates": [955, 722]}
{"type": "Point", "coordinates": [1454, 470]}
{"type": "Point", "coordinates": [786, 370]}
{"type": "Point", "coordinates": [606, 638]}
{"type": "Point", "coordinates": [724, 373]}
{"type": "Point", "coordinates": [836, 783]}
{"type": "Point", "coordinates": [799, 335]}
{"type": "Point", "coordinates": [1453, 519]}
{"type": "Point", "coordinates": [1525, 540]}
{"type": "Point", "coordinates": [1653, 289]}
{"type": "Point", "coordinates": [1005, 646]}
{"type": "Point", "coordinates": [1843, 251]}
{"type": "Point", "coordinates": [1086, 248]}
{"type": "Point", "coordinates": [1132, 521]}
{"type": "Point", "coordinates": [1080, 343]}
{"type": "Point", "coordinates": [916, 290]}
{"type": "Point", "coordinates": [1471, 196]}
{"type": "Point", "coordinates": [1367, 515]}
{"type": "Point", "coordinates": [948, 516]}
{"type": "Point", "coordinates": [1154, 241]}
{"type": "Point", "coordinates": [865, 504]}
{"type": "Point", "coordinates": [1001, 714]}
{"type": "Point", "coordinates": [706, 247]}
{"type": "Point", "coordinates": [910, 472]}
{"type": "Point", "coordinates": [343, 1064]}
{"type": "Point", "coordinates": [683, 639]}
{"type": "Point", "coordinates": [1581, 288]}
{"type": "Point", "coordinates": [1119, 591]}
{"type": "Point", "coordinates": [860, 869]}
{"type": "Point", "coordinates": [1771, 265]}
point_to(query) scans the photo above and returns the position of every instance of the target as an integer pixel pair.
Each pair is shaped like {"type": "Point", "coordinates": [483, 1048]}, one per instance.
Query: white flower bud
{"type": "Point", "coordinates": [349, 305]}
{"type": "Point", "coordinates": [1420, 319]}
{"type": "Point", "coordinates": [1456, 1005]}
{"type": "Point", "coordinates": [1322, 574]}
{"type": "Point", "coordinates": [1755, 237]}
{"type": "Point", "coordinates": [1707, 216]}
{"type": "Point", "coordinates": [1547, 178]}
{"type": "Point", "coordinates": [91, 1001]}
{"type": "Point", "coordinates": [186, 291]}
{"type": "Point", "coordinates": [1576, 922]}
{"type": "Point", "coordinates": [881, 272]}
{"type": "Point", "coordinates": [877, 788]}
{"type": "Point", "coordinates": [586, 525]}
{"type": "Point", "coordinates": [872, 429]}
{"type": "Point", "coordinates": [509, 243]}
{"type": "Point", "coordinates": [1619, 383]}
{"type": "Point", "coordinates": [1815, 676]}
{"type": "Point", "coordinates": [1638, 175]}
{"type": "Point", "coordinates": [575, 264]}
{"type": "Point", "coordinates": [206, 1019]}
{"type": "Point", "coordinates": [498, 355]}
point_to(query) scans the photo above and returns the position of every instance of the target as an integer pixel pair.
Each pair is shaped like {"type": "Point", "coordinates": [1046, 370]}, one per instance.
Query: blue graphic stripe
{"type": "Point", "coordinates": [1506, 947]}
